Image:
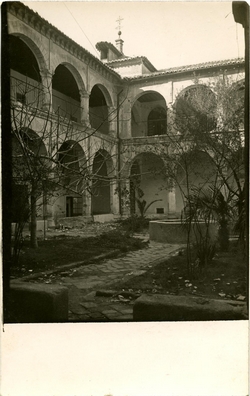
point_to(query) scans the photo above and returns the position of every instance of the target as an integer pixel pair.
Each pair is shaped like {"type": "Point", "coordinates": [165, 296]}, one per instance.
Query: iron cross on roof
{"type": "Point", "coordinates": [119, 25]}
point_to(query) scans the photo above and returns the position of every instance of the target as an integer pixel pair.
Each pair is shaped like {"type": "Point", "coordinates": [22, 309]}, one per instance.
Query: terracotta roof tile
{"type": "Point", "coordinates": [186, 68]}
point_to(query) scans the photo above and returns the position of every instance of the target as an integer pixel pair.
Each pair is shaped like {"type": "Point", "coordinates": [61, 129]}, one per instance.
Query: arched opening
{"type": "Point", "coordinates": [101, 186]}
{"type": "Point", "coordinates": [157, 121]}
{"type": "Point", "coordinates": [196, 170]}
{"type": "Point", "coordinates": [66, 98]}
{"type": "Point", "coordinates": [148, 183]}
{"type": "Point", "coordinates": [29, 155]}
{"type": "Point", "coordinates": [98, 111]}
{"type": "Point", "coordinates": [73, 168]}
{"type": "Point", "coordinates": [234, 109]}
{"type": "Point", "coordinates": [30, 174]}
{"type": "Point", "coordinates": [149, 115]}
{"type": "Point", "coordinates": [25, 76]}
{"type": "Point", "coordinates": [195, 111]}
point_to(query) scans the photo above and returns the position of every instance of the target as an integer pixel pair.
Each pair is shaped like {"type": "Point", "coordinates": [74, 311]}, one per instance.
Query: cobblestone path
{"type": "Point", "coordinates": [85, 306]}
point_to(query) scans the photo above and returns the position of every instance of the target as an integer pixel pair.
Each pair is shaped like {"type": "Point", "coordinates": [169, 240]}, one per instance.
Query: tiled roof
{"type": "Point", "coordinates": [187, 68]}
{"type": "Point", "coordinates": [103, 44]}
{"type": "Point", "coordinates": [133, 58]}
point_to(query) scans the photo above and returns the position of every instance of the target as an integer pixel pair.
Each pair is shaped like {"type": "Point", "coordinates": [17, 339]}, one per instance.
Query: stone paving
{"type": "Point", "coordinates": [83, 282]}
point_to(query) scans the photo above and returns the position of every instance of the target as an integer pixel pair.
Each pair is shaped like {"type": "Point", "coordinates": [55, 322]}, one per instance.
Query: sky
{"type": "Point", "coordinates": [168, 33]}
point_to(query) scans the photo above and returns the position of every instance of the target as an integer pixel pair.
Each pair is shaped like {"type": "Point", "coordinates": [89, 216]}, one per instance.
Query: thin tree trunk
{"type": "Point", "coordinates": [33, 235]}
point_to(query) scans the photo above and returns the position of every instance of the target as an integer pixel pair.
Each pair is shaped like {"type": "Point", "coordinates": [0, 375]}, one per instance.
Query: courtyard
{"type": "Point", "coordinates": [106, 269]}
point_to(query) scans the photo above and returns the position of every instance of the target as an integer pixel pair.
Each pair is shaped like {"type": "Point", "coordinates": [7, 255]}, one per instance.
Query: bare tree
{"type": "Point", "coordinates": [208, 119]}
{"type": "Point", "coordinates": [49, 163]}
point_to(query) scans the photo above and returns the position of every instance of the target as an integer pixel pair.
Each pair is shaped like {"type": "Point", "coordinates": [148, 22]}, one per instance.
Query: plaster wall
{"type": "Point", "coordinates": [139, 118]}
{"type": "Point", "coordinates": [144, 69]}
{"type": "Point", "coordinates": [153, 188]}
{"type": "Point", "coordinates": [201, 172]}
{"type": "Point", "coordinates": [164, 88]}
{"type": "Point", "coordinates": [129, 71]}
{"type": "Point", "coordinates": [153, 183]}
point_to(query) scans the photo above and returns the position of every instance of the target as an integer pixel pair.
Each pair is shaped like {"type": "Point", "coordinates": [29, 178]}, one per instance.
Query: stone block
{"type": "Point", "coordinates": [34, 303]}
{"type": "Point", "coordinates": [103, 218]}
{"type": "Point", "coordinates": [183, 308]}
{"type": "Point", "coordinates": [174, 231]}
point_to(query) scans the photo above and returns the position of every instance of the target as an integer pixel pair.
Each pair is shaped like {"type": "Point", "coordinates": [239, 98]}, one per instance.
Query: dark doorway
{"type": "Point", "coordinates": [69, 206]}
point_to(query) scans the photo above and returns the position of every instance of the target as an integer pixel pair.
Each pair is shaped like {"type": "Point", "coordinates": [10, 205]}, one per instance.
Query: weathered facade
{"type": "Point", "coordinates": [114, 116]}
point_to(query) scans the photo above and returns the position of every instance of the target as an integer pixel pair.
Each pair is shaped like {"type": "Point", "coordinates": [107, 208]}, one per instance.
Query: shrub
{"type": "Point", "coordinates": [134, 223]}
{"type": "Point", "coordinates": [205, 251]}
{"type": "Point", "coordinates": [125, 242]}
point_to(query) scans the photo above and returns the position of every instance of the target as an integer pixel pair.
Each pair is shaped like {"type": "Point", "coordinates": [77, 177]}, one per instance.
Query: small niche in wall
{"type": "Point", "coordinates": [21, 98]}
{"type": "Point", "coordinates": [159, 210]}
{"type": "Point", "coordinates": [74, 119]}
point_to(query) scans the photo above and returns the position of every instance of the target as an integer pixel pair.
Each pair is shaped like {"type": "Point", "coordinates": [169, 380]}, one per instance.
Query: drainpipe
{"type": "Point", "coordinates": [119, 151]}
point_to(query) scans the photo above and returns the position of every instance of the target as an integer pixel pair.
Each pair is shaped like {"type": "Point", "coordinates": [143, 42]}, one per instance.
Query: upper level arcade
{"type": "Point", "coordinates": [100, 109]}
{"type": "Point", "coordinates": [185, 101]}
{"type": "Point", "coordinates": [149, 115]}
{"type": "Point", "coordinates": [26, 82]}
{"type": "Point", "coordinates": [195, 111]}
{"type": "Point", "coordinates": [52, 73]}
{"type": "Point", "coordinates": [66, 100]}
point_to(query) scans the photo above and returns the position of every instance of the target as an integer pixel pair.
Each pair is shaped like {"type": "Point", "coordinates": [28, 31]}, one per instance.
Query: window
{"type": "Point", "coordinates": [157, 122]}
{"type": "Point", "coordinates": [74, 206]}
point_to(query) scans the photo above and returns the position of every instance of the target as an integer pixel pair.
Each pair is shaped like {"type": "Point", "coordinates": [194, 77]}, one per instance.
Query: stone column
{"type": "Point", "coordinates": [87, 204]}
{"type": "Point", "coordinates": [84, 98]}
{"type": "Point", "coordinates": [171, 203]}
{"type": "Point", "coordinates": [126, 115]}
{"type": "Point", "coordinates": [46, 76]}
{"type": "Point", "coordinates": [112, 118]}
{"type": "Point", "coordinates": [125, 188]}
{"type": "Point", "coordinates": [114, 195]}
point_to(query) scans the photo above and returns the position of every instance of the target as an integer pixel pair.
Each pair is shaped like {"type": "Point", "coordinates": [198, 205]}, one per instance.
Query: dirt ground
{"type": "Point", "coordinates": [88, 230]}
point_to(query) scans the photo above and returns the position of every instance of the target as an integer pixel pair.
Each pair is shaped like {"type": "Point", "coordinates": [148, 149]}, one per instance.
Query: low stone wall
{"type": "Point", "coordinates": [40, 226]}
{"type": "Point", "coordinates": [103, 218]}
{"type": "Point", "coordinates": [38, 303]}
{"type": "Point", "coordinates": [174, 231]}
{"type": "Point", "coordinates": [183, 308]}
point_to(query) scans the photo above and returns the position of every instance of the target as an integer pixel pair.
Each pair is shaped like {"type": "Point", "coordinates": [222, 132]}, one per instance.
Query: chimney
{"type": "Point", "coordinates": [119, 42]}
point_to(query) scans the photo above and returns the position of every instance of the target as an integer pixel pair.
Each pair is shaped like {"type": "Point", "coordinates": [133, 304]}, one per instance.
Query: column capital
{"type": "Point", "coordinates": [84, 94]}
{"type": "Point", "coordinates": [46, 73]}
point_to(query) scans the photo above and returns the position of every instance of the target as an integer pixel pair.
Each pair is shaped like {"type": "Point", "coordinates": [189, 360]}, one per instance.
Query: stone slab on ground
{"type": "Point", "coordinates": [182, 308]}
{"type": "Point", "coordinates": [38, 303]}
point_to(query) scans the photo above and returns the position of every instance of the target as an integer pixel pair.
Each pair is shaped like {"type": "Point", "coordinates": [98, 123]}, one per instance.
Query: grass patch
{"type": "Point", "coordinates": [225, 277]}
{"type": "Point", "coordinates": [62, 250]}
